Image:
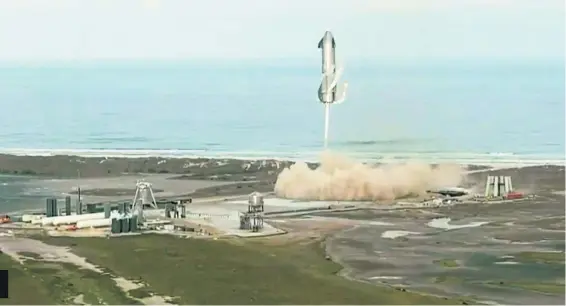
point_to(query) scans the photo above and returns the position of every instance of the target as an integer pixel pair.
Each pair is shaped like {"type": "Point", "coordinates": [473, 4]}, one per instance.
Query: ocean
{"type": "Point", "coordinates": [481, 111]}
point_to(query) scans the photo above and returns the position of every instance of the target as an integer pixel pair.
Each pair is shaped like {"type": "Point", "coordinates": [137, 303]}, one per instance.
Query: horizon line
{"type": "Point", "coordinates": [282, 60]}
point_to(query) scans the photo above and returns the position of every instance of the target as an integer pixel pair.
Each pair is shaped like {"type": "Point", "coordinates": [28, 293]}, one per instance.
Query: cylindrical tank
{"type": "Point", "coordinates": [134, 224]}
{"type": "Point", "coordinates": [106, 210]}
{"type": "Point", "coordinates": [115, 227]}
{"type": "Point", "coordinates": [168, 211]}
{"type": "Point", "coordinates": [68, 205]}
{"type": "Point", "coordinates": [55, 211]}
{"type": "Point", "coordinates": [94, 223]}
{"type": "Point", "coordinates": [183, 211]}
{"type": "Point", "coordinates": [125, 225]}
{"type": "Point", "coordinates": [49, 207]}
{"type": "Point", "coordinates": [256, 199]}
{"type": "Point", "coordinates": [140, 213]}
{"type": "Point", "coordinates": [79, 209]}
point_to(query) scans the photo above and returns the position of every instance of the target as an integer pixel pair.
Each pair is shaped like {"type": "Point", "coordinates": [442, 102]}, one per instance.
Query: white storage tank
{"type": "Point", "coordinates": [70, 219]}
{"type": "Point", "coordinates": [94, 223]}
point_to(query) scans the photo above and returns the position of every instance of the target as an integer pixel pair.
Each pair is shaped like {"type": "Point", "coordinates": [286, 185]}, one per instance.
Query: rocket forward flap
{"type": "Point", "coordinates": [320, 43]}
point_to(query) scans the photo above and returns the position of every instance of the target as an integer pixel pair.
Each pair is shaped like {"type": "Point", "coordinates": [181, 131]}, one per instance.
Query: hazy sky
{"type": "Point", "coordinates": [171, 29]}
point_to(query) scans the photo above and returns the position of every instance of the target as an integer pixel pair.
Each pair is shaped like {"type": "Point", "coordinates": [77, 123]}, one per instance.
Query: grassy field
{"type": "Point", "coordinates": [22, 283]}
{"type": "Point", "coordinates": [541, 257]}
{"type": "Point", "coordinates": [45, 283]}
{"type": "Point", "coordinates": [197, 271]}
{"type": "Point", "coordinates": [549, 288]}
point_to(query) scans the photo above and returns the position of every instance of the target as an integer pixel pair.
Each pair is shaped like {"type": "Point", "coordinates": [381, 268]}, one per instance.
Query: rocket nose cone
{"type": "Point", "coordinates": [328, 35]}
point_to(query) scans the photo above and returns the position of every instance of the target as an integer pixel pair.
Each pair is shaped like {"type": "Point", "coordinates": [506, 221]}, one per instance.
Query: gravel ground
{"type": "Point", "coordinates": [484, 258]}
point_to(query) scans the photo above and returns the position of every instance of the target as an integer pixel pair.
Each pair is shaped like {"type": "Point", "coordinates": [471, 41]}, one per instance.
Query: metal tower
{"type": "Point", "coordinates": [143, 197]}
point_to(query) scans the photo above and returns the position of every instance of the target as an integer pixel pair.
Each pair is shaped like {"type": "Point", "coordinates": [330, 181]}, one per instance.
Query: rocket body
{"type": "Point", "coordinates": [330, 91]}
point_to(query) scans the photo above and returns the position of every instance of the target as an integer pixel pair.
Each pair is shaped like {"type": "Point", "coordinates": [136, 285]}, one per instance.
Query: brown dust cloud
{"type": "Point", "coordinates": [339, 178]}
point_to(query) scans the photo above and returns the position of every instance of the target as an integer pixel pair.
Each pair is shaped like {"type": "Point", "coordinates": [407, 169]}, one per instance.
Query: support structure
{"type": "Point", "coordinates": [144, 197]}
{"type": "Point", "coordinates": [253, 218]}
{"type": "Point", "coordinates": [498, 186]}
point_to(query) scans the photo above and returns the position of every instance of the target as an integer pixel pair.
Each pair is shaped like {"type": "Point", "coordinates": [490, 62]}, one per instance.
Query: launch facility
{"type": "Point", "coordinates": [244, 217]}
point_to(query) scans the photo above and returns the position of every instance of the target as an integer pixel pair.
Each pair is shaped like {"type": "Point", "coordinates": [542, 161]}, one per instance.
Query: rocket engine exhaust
{"type": "Point", "coordinates": [341, 179]}
{"type": "Point", "coordinates": [330, 91]}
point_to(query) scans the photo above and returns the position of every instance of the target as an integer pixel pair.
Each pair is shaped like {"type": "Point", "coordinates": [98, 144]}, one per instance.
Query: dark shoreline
{"type": "Point", "coordinates": [66, 166]}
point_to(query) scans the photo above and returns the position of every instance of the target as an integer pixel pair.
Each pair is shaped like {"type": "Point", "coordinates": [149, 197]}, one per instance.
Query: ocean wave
{"type": "Point", "coordinates": [492, 159]}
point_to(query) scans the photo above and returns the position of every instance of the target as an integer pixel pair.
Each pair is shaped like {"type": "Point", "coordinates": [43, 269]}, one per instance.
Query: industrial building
{"type": "Point", "coordinates": [142, 214]}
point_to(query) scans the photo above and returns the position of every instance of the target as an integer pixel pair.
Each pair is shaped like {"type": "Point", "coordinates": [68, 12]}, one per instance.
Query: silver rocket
{"type": "Point", "coordinates": [330, 91]}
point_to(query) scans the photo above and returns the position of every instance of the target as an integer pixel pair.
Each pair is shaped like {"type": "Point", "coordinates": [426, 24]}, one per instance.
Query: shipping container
{"type": "Point", "coordinates": [514, 195]}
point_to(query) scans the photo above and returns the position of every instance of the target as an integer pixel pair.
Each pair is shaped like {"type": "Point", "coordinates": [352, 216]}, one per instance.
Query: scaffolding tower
{"type": "Point", "coordinates": [498, 186]}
